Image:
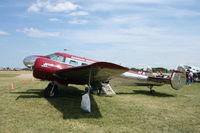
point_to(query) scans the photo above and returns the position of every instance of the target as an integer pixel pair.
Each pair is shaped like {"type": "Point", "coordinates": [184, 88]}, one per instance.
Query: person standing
{"type": "Point", "coordinates": [191, 76]}
{"type": "Point", "coordinates": [187, 78]}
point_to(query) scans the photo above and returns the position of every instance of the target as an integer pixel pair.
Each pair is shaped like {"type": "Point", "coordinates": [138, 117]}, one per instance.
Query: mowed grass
{"type": "Point", "coordinates": [8, 74]}
{"type": "Point", "coordinates": [133, 109]}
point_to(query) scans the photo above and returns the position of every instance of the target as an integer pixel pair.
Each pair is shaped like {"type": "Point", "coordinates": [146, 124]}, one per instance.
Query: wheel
{"type": "Point", "coordinates": [94, 91]}
{"type": "Point", "coordinates": [51, 91]}
{"type": "Point", "coordinates": [152, 91]}
{"type": "Point", "coordinates": [96, 88]}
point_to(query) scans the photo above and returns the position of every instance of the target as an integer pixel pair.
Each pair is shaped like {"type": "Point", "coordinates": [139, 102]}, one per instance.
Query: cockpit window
{"type": "Point", "coordinates": [60, 58]}
{"type": "Point", "coordinates": [73, 62]}
{"type": "Point", "coordinates": [56, 58]}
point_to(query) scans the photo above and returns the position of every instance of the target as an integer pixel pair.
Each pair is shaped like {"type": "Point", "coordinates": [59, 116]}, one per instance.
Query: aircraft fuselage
{"type": "Point", "coordinates": [46, 66]}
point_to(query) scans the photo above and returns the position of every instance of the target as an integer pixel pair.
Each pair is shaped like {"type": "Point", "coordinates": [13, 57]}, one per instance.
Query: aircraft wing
{"type": "Point", "coordinates": [99, 71]}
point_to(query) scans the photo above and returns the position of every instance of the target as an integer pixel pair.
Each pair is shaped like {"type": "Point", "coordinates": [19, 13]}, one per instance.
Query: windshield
{"type": "Point", "coordinates": [57, 58]}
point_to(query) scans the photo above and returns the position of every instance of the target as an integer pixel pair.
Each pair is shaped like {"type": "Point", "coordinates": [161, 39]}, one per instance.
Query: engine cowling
{"type": "Point", "coordinates": [45, 68]}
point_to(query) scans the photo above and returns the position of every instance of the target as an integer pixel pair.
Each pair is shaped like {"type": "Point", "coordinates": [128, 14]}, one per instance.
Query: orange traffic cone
{"type": "Point", "coordinates": [11, 86]}
{"type": "Point", "coordinates": [25, 82]}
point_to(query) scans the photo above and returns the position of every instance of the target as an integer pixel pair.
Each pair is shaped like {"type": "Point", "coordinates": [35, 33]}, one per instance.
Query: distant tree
{"type": "Point", "coordinates": [160, 69]}
{"type": "Point", "coordinates": [26, 69]}
{"type": "Point", "coordinates": [136, 69]}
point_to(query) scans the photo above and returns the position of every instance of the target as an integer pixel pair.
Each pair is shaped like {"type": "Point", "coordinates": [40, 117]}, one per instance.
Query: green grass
{"type": "Point", "coordinates": [133, 109]}
{"type": "Point", "coordinates": [12, 74]}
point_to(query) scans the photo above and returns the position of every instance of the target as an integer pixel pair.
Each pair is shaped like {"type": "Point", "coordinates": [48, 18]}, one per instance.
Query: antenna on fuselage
{"type": "Point", "coordinates": [65, 50]}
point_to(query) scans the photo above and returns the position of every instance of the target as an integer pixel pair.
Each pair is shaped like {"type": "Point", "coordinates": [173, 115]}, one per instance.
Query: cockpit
{"type": "Point", "coordinates": [57, 58]}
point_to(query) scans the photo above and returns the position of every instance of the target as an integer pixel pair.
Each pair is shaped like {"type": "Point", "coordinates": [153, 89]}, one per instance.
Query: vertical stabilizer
{"type": "Point", "coordinates": [178, 78]}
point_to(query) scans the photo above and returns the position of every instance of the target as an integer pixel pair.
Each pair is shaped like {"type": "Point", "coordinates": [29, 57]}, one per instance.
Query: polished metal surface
{"type": "Point", "coordinates": [29, 61]}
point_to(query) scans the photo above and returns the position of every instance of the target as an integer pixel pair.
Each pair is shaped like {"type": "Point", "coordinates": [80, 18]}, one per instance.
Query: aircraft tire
{"type": "Point", "coordinates": [49, 93]}
{"type": "Point", "coordinates": [96, 88]}
{"type": "Point", "coordinates": [152, 91]}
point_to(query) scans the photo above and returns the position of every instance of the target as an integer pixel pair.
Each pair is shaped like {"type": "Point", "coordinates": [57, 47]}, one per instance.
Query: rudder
{"type": "Point", "coordinates": [178, 78]}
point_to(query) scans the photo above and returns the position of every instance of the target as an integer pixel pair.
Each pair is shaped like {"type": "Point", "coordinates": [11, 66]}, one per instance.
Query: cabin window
{"type": "Point", "coordinates": [73, 63]}
{"type": "Point", "coordinates": [84, 64]}
{"type": "Point", "coordinates": [52, 57]}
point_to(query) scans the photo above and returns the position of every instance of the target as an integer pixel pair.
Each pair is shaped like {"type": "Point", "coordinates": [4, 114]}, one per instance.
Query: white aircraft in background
{"type": "Point", "coordinates": [194, 70]}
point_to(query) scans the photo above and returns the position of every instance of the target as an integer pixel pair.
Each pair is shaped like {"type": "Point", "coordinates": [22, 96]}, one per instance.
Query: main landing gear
{"type": "Point", "coordinates": [51, 90]}
{"type": "Point", "coordinates": [96, 88]}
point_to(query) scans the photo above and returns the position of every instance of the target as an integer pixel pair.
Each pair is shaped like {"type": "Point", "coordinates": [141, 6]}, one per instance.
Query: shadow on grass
{"type": "Point", "coordinates": [68, 102]}
{"type": "Point", "coordinates": [143, 92]}
{"type": "Point", "coordinates": [157, 94]}
{"type": "Point", "coordinates": [31, 93]}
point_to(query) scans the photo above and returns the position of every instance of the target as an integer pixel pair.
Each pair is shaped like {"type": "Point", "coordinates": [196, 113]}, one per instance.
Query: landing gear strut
{"type": "Point", "coordinates": [151, 89]}
{"type": "Point", "coordinates": [51, 90]}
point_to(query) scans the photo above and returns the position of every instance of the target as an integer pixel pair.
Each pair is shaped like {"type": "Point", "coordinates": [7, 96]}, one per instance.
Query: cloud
{"type": "Point", "coordinates": [80, 13]}
{"type": "Point", "coordinates": [78, 21]}
{"type": "Point", "coordinates": [162, 7]}
{"type": "Point", "coordinates": [33, 32]}
{"type": "Point", "coordinates": [132, 31]}
{"type": "Point", "coordinates": [3, 32]}
{"type": "Point", "coordinates": [139, 51]}
{"type": "Point", "coordinates": [54, 20]}
{"type": "Point", "coordinates": [136, 1]}
{"type": "Point", "coordinates": [182, 12]}
{"type": "Point", "coordinates": [60, 6]}
{"type": "Point", "coordinates": [141, 1]}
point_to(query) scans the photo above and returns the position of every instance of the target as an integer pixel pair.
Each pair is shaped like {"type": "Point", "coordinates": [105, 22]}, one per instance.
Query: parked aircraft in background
{"type": "Point", "coordinates": [64, 69]}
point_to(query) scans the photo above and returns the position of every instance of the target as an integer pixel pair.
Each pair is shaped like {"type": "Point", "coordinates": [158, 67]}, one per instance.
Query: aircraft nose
{"type": "Point", "coordinates": [29, 61]}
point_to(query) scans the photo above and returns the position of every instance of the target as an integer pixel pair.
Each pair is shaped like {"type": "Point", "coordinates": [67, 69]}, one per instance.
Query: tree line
{"type": "Point", "coordinates": [155, 69]}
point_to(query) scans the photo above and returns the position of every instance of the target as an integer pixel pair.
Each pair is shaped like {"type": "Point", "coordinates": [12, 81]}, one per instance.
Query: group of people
{"type": "Point", "coordinates": [189, 77]}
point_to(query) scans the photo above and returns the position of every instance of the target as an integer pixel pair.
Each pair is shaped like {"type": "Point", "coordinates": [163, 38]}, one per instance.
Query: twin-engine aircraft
{"type": "Point", "coordinates": [64, 69]}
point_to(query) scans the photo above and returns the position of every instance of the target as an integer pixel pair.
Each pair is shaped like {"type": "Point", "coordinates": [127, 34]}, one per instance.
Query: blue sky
{"type": "Point", "coordinates": [133, 33]}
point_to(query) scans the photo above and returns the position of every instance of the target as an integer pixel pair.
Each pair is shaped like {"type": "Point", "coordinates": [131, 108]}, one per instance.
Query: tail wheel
{"type": "Point", "coordinates": [51, 91]}
{"type": "Point", "coordinates": [151, 89]}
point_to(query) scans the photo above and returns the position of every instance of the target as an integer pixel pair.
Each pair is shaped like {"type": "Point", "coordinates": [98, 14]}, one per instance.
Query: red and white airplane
{"type": "Point", "coordinates": [64, 69]}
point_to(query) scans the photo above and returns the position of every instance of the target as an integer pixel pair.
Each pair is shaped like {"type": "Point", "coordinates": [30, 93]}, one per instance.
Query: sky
{"type": "Point", "coordinates": [132, 33]}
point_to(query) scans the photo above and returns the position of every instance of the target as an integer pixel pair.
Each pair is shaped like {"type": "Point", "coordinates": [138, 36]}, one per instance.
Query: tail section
{"type": "Point", "coordinates": [178, 78]}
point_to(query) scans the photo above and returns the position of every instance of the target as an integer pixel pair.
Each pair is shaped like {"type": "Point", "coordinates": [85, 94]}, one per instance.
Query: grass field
{"type": "Point", "coordinates": [7, 74]}
{"type": "Point", "coordinates": [25, 110]}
